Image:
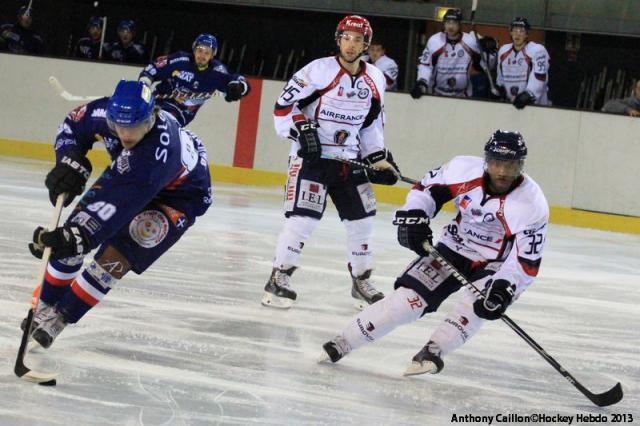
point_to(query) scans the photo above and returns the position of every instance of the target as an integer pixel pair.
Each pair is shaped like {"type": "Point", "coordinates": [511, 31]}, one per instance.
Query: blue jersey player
{"type": "Point", "coordinates": [186, 81]}
{"type": "Point", "coordinates": [156, 186]}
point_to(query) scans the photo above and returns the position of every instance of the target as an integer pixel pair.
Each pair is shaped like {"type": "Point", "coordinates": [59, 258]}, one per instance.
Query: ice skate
{"type": "Point", "coordinates": [334, 350]}
{"type": "Point", "coordinates": [50, 325]}
{"type": "Point", "coordinates": [363, 290]}
{"type": "Point", "coordinates": [428, 360]}
{"type": "Point", "coordinates": [278, 293]}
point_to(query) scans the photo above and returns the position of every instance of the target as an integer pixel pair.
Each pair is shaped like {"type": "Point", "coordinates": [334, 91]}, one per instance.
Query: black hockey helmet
{"type": "Point", "coordinates": [504, 145]}
{"type": "Point", "coordinates": [452, 15]}
{"type": "Point", "coordinates": [520, 22]}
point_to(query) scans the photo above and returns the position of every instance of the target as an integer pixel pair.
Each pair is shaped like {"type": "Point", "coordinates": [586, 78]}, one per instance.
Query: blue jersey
{"type": "Point", "coordinates": [87, 48]}
{"type": "Point", "coordinates": [188, 87]}
{"type": "Point", "coordinates": [134, 54]}
{"type": "Point", "coordinates": [17, 39]}
{"type": "Point", "coordinates": [167, 167]}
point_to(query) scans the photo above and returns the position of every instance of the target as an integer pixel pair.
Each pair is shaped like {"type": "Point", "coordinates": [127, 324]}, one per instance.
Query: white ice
{"type": "Point", "coordinates": [188, 342]}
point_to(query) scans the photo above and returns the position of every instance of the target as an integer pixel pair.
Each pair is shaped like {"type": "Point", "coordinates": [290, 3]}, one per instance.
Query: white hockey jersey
{"type": "Point", "coordinates": [349, 109]}
{"type": "Point", "coordinates": [389, 68]}
{"type": "Point", "coordinates": [507, 231]}
{"type": "Point", "coordinates": [444, 65]}
{"type": "Point", "coordinates": [527, 69]}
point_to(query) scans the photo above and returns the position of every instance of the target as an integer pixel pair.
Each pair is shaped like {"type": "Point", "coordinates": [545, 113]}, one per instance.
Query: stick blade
{"type": "Point", "coordinates": [610, 397]}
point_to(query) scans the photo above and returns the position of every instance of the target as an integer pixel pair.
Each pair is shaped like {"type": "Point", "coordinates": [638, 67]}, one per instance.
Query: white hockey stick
{"type": "Point", "coordinates": [60, 90]}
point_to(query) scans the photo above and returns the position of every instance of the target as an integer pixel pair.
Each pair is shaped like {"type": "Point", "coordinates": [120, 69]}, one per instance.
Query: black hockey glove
{"type": "Point", "coordinates": [523, 99]}
{"type": "Point", "coordinates": [67, 241]}
{"type": "Point", "coordinates": [419, 89]}
{"type": "Point", "coordinates": [488, 44]}
{"type": "Point", "coordinates": [498, 298]}
{"type": "Point", "coordinates": [69, 175]}
{"type": "Point", "coordinates": [383, 176]}
{"type": "Point", "coordinates": [234, 91]}
{"type": "Point", "coordinates": [310, 148]}
{"type": "Point", "coordinates": [413, 230]}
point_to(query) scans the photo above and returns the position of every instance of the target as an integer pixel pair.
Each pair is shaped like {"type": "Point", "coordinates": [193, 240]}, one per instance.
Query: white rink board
{"type": "Point", "coordinates": [188, 342]}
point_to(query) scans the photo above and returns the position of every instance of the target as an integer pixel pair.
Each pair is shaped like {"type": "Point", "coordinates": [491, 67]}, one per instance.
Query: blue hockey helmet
{"type": "Point", "coordinates": [25, 11]}
{"type": "Point", "coordinates": [127, 25]}
{"type": "Point", "coordinates": [95, 21]}
{"type": "Point", "coordinates": [206, 39]}
{"type": "Point", "coordinates": [504, 145]}
{"type": "Point", "coordinates": [131, 105]}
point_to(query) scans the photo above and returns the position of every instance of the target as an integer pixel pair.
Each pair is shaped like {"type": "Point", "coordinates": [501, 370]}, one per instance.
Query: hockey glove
{"type": "Point", "coordinates": [488, 45]}
{"type": "Point", "coordinates": [69, 175]}
{"type": "Point", "coordinates": [310, 147]}
{"type": "Point", "coordinates": [234, 91]}
{"type": "Point", "coordinates": [419, 89]}
{"type": "Point", "coordinates": [388, 170]}
{"type": "Point", "coordinates": [67, 241]}
{"type": "Point", "coordinates": [498, 298]}
{"type": "Point", "coordinates": [413, 230]}
{"type": "Point", "coordinates": [523, 99]}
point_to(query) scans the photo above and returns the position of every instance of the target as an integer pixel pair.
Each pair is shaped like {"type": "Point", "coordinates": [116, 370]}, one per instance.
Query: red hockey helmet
{"type": "Point", "coordinates": [357, 24]}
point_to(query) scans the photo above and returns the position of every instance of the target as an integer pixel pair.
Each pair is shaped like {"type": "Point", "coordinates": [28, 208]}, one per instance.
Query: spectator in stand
{"type": "Point", "coordinates": [126, 49]}
{"type": "Point", "coordinates": [376, 56]}
{"type": "Point", "coordinates": [89, 47]}
{"type": "Point", "coordinates": [629, 106]}
{"type": "Point", "coordinates": [19, 37]}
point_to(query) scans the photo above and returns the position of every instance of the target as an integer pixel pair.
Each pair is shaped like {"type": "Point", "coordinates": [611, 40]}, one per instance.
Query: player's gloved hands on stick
{"type": "Point", "coordinates": [69, 175]}
{"type": "Point", "coordinates": [310, 147]}
{"type": "Point", "coordinates": [234, 91]}
{"type": "Point", "coordinates": [388, 169]}
{"type": "Point", "coordinates": [419, 89]}
{"type": "Point", "coordinates": [413, 230]}
{"type": "Point", "coordinates": [523, 99]}
{"type": "Point", "coordinates": [499, 295]}
{"type": "Point", "coordinates": [66, 241]}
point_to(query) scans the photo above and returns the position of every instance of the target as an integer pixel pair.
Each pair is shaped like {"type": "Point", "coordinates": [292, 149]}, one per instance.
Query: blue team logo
{"type": "Point", "coordinates": [489, 217]}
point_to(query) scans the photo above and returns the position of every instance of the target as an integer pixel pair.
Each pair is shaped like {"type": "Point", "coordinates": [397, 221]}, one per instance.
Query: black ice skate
{"type": "Point", "coordinates": [428, 360]}
{"type": "Point", "coordinates": [334, 350]}
{"type": "Point", "coordinates": [278, 293]}
{"type": "Point", "coordinates": [50, 325]}
{"type": "Point", "coordinates": [363, 289]}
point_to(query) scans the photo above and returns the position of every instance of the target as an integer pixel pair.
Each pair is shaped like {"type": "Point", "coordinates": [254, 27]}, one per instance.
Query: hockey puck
{"type": "Point", "coordinates": [51, 382]}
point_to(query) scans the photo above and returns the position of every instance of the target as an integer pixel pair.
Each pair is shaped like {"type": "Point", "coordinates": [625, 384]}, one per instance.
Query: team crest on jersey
{"type": "Point", "coordinates": [77, 114]}
{"type": "Point", "coordinates": [149, 228]}
{"type": "Point", "coordinates": [489, 217]}
{"type": "Point", "coordinates": [122, 162]}
{"type": "Point", "coordinates": [161, 62]}
{"type": "Point", "coordinates": [363, 90]}
{"type": "Point", "coordinates": [340, 137]}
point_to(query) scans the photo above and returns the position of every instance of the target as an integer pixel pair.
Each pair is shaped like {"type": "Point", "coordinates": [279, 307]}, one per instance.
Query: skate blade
{"type": "Point", "coordinates": [423, 367]}
{"type": "Point", "coordinates": [272, 301]}
{"type": "Point", "coordinates": [324, 358]}
{"type": "Point", "coordinates": [33, 345]}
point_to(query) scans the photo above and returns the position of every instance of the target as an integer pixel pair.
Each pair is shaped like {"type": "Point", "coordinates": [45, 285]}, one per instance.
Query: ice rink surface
{"type": "Point", "coordinates": [188, 342]}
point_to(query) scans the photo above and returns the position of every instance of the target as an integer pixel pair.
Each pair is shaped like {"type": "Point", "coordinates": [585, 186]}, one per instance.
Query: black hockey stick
{"type": "Point", "coordinates": [610, 397]}
{"type": "Point", "coordinates": [21, 370]}
{"type": "Point", "coordinates": [367, 166]}
{"type": "Point", "coordinates": [474, 6]}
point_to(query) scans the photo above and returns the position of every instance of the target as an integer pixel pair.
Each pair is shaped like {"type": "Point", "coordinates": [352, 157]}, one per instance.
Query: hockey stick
{"type": "Point", "coordinates": [369, 167]}
{"type": "Point", "coordinates": [60, 90]}
{"type": "Point", "coordinates": [604, 399]}
{"type": "Point", "coordinates": [474, 6]}
{"type": "Point", "coordinates": [21, 370]}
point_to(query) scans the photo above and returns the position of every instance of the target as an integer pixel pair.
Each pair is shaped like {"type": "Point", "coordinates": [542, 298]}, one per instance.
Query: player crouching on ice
{"type": "Point", "coordinates": [495, 240]}
{"type": "Point", "coordinates": [156, 186]}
